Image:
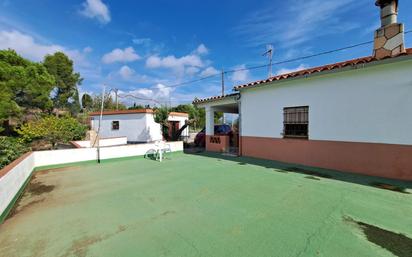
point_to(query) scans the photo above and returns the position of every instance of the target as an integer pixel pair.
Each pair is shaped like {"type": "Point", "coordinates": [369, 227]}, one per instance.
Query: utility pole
{"type": "Point", "coordinates": [116, 98]}
{"type": "Point", "coordinates": [223, 82]}
{"type": "Point", "coordinates": [269, 54]}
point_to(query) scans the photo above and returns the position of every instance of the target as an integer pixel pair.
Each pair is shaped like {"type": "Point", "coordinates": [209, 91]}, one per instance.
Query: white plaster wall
{"type": "Point", "coordinates": [137, 127]}
{"type": "Point", "coordinates": [104, 142]}
{"type": "Point", "coordinates": [154, 129]}
{"type": "Point", "coordinates": [11, 182]}
{"type": "Point", "coordinates": [53, 157]}
{"type": "Point", "coordinates": [372, 104]}
{"type": "Point", "coordinates": [182, 121]}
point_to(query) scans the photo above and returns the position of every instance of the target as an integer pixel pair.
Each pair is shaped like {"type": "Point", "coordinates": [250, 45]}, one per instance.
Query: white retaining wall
{"type": "Point", "coordinates": [104, 142]}
{"type": "Point", "coordinates": [12, 181]}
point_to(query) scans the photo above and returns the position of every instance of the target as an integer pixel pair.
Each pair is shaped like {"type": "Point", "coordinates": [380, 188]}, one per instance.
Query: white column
{"type": "Point", "coordinates": [210, 121]}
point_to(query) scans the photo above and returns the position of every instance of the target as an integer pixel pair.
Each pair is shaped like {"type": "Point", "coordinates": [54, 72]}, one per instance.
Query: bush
{"type": "Point", "coordinates": [53, 130]}
{"type": "Point", "coordinates": [10, 150]}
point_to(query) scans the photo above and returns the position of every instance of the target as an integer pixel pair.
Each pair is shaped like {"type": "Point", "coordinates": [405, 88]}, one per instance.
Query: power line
{"type": "Point", "coordinates": [275, 63]}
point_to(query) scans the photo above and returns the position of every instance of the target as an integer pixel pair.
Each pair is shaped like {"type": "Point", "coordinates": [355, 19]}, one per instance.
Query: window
{"type": "Point", "coordinates": [296, 122]}
{"type": "Point", "coordinates": [115, 125]}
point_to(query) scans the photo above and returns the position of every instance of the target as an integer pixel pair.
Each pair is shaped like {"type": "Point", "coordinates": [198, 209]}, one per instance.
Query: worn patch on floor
{"type": "Point", "coordinates": [308, 172]}
{"type": "Point", "coordinates": [390, 187]}
{"type": "Point", "coordinates": [397, 243]}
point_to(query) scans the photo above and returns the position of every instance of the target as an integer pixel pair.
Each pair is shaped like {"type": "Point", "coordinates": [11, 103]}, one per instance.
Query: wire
{"type": "Point", "coordinates": [139, 98]}
{"type": "Point", "coordinates": [275, 63]}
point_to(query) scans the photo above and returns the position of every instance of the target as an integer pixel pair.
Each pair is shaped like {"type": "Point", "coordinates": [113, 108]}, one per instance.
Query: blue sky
{"type": "Point", "coordinates": [142, 47]}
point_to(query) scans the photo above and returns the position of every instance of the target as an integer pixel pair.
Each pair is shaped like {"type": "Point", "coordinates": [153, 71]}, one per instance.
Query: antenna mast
{"type": "Point", "coordinates": [269, 54]}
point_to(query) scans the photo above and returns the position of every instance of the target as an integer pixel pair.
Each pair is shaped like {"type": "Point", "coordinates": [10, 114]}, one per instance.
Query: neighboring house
{"type": "Point", "coordinates": [353, 116]}
{"type": "Point", "coordinates": [138, 126]}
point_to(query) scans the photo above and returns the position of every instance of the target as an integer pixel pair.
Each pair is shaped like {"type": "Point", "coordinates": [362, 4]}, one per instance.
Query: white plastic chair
{"type": "Point", "coordinates": [161, 148]}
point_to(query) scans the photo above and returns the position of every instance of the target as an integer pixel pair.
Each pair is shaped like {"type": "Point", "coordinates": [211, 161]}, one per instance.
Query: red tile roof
{"type": "Point", "coordinates": [135, 111]}
{"type": "Point", "coordinates": [182, 114]}
{"type": "Point", "coordinates": [310, 71]}
{"type": "Point", "coordinates": [213, 98]}
{"type": "Point", "coordinates": [122, 112]}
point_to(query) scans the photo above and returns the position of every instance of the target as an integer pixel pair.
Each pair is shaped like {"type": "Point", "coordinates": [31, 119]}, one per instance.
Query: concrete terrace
{"type": "Point", "coordinates": [207, 205]}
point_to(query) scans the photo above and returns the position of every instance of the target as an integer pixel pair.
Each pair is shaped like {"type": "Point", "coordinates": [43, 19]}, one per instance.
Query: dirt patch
{"type": "Point", "coordinates": [307, 172]}
{"type": "Point", "coordinates": [17, 208]}
{"type": "Point", "coordinates": [38, 188]}
{"type": "Point", "coordinates": [397, 243]}
{"type": "Point", "coordinates": [312, 177]}
{"type": "Point", "coordinates": [47, 171]}
{"type": "Point", "coordinates": [389, 187]}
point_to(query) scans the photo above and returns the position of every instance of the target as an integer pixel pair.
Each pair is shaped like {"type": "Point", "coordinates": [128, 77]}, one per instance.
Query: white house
{"type": "Point", "coordinates": [353, 116]}
{"type": "Point", "coordinates": [138, 126]}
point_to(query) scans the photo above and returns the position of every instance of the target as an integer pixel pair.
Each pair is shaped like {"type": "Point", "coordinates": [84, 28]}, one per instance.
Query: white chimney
{"type": "Point", "coordinates": [389, 38]}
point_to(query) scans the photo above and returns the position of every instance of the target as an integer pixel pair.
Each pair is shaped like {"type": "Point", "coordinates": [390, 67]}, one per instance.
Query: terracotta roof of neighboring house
{"type": "Point", "coordinates": [122, 112]}
{"type": "Point", "coordinates": [323, 68]}
{"type": "Point", "coordinates": [183, 114]}
{"type": "Point", "coordinates": [214, 98]}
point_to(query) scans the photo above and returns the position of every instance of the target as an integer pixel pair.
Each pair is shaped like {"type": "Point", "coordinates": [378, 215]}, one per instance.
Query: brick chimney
{"type": "Point", "coordinates": [389, 38]}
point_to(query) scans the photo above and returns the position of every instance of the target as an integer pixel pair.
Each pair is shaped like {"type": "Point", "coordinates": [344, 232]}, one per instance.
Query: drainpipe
{"type": "Point", "coordinates": [239, 104]}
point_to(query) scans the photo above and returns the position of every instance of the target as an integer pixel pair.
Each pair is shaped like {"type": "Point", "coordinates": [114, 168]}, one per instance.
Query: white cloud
{"type": "Point", "coordinates": [192, 71]}
{"type": "Point", "coordinates": [29, 48]}
{"type": "Point", "coordinates": [202, 50]}
{"type": "Point", "coordinates": [96, 9]}
{"type": "Point", "coordinates": [241, 75]}
{"type": "Point", "coordinates": [297, 22]}
{"type": "Point", "coordinates": [87, 49]}
{"type": "Point", "coordinates": [142, 41]}
{"type": "Point", "coordinates": [158, 94]}
{"type": "Point", "coordinates": [209, 71]}
{"type": "Point", "coordinates": [286, 70]}
{"type": "Point", "coordinates": [126, 72]}
{"type": "Point", "coordinates": [119, 55]}
{"type": "Point", "coordinates": [171, 62]}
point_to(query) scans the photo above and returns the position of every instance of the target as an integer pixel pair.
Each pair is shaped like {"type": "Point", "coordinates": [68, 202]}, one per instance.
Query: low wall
{"type": "Point", "coordinates": [114, 141]}
{"type": "Point", "coordinates": [14, 176]}
{"type": "Point", "coordinates": [218, 143]}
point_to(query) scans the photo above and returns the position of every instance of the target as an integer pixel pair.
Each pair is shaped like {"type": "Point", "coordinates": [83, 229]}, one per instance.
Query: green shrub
{"type": "Point", "coordinates": [11, 149]}
{"type": "Point", "coordinates": [53, 130]}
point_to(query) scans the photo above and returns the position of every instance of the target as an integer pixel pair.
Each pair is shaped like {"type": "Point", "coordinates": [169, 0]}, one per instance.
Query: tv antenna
{"type": "Point", "coordinates": [269, 54]}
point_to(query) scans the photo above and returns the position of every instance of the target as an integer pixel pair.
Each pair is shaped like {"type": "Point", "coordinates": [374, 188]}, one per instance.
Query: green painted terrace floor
{"type": "Point", "coordinates": [206, 205]}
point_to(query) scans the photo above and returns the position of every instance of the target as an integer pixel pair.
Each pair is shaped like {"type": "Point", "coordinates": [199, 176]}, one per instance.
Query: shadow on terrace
{"type": "Point", "coordinates": [312, 172]}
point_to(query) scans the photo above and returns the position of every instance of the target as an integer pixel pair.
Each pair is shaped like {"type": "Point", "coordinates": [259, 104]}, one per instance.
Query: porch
{"type": "Point", "coordinates": [222, 136]}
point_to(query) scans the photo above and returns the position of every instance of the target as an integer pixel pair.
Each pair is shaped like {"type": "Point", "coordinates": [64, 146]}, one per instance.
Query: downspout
{"type": "Point", "coordinates": [239, 104]}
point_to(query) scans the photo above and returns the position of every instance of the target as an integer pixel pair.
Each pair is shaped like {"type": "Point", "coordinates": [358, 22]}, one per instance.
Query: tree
{"type": "Point", "coordinates": [87, 102]}
{"type": "Point", "coordinates": [197, 116]}
{"type": "Point", "coordinates": [25, 85]}
{"type": "Point", "coordinates": [136, 107]}
{"type": "Point", "coordinates": [161, 116]}
{"type": "Point", "coordinates": [109, 103]}
{"type": "Point", "coordinates": [66, 81]}
{"type": "Point", "coordinates": [52, 129]}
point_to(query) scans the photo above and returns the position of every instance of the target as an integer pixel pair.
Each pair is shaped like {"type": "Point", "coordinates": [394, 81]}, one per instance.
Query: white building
{"type": "Point", "coordinates": [138, 126]}
{"type": "Point", "coordinates": [353, 116]}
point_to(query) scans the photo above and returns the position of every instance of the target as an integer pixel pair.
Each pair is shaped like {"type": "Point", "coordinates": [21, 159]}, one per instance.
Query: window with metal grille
{"type": "Point", "coordinates": [115, 125]}
{"type": "Point", "coordinates": [296, 122]}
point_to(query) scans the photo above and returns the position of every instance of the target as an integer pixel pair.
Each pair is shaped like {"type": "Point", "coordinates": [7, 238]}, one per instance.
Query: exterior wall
{"type": "Point", "coordinates": [13, 176]}
{"type": "Point", "coordinates": [382, 160]}
{"type": "Point", "coordinates": [182, 121]}
{"type": "Point", "coordinates": [368, 107]}
{"type": "Point", "coordinates": [137, 127]}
